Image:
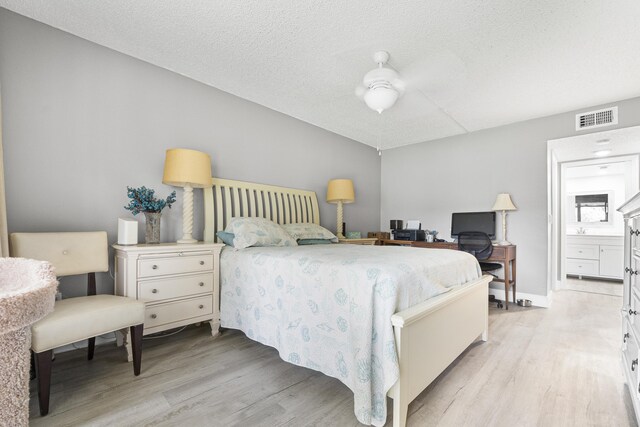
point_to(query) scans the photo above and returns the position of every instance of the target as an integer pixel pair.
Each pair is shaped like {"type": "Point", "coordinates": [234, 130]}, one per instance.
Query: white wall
{"type": "Point", "coordinates": [430, 180]}
{"type": "Point", "coordinates": [81, 122]}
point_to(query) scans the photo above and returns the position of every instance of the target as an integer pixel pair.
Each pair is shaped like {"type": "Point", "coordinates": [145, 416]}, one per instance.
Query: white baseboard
{"type": "Point", "coordinates": [537, 300]}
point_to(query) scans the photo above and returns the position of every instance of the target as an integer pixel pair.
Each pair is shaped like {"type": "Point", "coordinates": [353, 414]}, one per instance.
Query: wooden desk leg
{"type": "Point", "coordinates": [507, 283]}
{"type": "Point", "coordinates": [514, 281]}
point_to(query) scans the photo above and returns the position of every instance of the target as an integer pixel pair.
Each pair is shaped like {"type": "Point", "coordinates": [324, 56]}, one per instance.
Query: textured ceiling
{"type": "Point", "coordinates": [481, 63]}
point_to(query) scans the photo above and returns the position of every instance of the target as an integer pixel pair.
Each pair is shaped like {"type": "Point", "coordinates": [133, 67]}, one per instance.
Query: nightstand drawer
{"type": "Point", "coordinates": [160, 314]}
{"type": "Point", "coordinates": [174, 265]}
{"type": "Point", "coordinates": [175, 287]}
{"type": "Point", "coordinates": [583, 251]}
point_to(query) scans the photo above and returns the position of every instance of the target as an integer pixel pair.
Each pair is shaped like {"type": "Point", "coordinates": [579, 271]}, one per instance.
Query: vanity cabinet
{"type": "Point", "coordinates": [595, 256]}
{"type": "Point", "coordinates": [630, 348]}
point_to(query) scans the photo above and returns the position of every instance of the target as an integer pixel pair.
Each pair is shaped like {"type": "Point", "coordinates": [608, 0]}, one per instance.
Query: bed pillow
{"type": "Point", "coordinates": [227, 238]}
{"type": "Point", "coordinates": [305, 231]}
{"type": "Point", "coordinates": [249, 232]}
{"type": "Point", "coordinates": [303, 242]}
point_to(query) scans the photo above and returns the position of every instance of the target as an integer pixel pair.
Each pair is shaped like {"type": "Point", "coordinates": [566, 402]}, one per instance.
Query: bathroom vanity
{"type": "Point", "coordinates": [595, 256]}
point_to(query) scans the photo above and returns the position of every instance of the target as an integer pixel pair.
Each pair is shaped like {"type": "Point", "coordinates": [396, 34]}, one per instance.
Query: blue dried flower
{"type": "Point", "coordinates": [143, 200]}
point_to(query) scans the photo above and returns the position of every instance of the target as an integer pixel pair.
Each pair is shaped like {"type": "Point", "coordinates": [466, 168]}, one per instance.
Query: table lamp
{"type": "Point", "coordinates": [188, 169]}
{"type": "Point", "coordinates": [503, 203]}
{"type": "Point", "coordinates": [340, 191]}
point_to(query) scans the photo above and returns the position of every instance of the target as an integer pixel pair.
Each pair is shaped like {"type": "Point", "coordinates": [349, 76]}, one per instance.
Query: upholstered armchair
{"type": "Point", "coordinates": [79, 318]}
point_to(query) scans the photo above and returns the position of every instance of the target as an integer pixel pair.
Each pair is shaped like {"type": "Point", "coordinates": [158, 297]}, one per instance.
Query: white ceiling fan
{"type": "Point", "coordinates": [381, 86]}
{"type": "Point", "coordinates": [441, 73]}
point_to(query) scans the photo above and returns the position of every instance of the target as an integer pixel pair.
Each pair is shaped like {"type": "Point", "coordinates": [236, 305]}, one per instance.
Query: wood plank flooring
{"type": "Point", "coordinates": [607, 287]}
{"type": "Point", "coordinates": [541, 367]}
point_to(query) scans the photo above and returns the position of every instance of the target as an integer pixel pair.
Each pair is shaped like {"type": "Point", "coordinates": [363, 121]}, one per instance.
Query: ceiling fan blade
{"type": "Point", "coordinates": [438, 73]}
{"type": "Point", "coordinates": [412, 104]}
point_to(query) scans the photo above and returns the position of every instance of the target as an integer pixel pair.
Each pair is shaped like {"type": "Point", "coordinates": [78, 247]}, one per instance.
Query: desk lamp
{"type": "Point", "coordinates": [340, 191]}
{"type": "Point", "coordinates": [503, 203]}
{"type": "Point", "coordinates": [188, 169]}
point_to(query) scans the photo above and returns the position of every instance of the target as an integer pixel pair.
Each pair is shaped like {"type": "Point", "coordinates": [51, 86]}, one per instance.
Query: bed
{"type": "Point", "coordinates": [436, 320]}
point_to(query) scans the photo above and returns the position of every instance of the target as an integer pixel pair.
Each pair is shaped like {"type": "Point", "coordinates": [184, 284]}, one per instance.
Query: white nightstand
{"type": "Point", "coordinates": [178, 282]}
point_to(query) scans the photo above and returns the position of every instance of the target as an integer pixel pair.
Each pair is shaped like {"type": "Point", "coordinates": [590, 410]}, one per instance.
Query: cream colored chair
{"type": "Point", "coordinates": [80, 318]}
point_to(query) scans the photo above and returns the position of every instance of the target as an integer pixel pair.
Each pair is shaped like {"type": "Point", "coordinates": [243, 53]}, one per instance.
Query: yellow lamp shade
{"type": "Point", "coordinates": [340, 190]}
{"type": "Point", "coordinates": [504, 203]}
{"type": "Point", "coordinates": [183, 167]}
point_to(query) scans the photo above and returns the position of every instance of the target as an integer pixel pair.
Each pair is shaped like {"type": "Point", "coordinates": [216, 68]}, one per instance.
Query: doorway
{"type": "Point", "coordinates": [589, 177]}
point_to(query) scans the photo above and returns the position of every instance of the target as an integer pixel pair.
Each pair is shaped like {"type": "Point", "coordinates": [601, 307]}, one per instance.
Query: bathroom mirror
{"type": "Point", "coordinates": [590, 208]}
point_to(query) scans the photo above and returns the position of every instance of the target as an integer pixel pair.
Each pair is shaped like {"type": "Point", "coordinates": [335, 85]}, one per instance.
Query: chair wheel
{"type": "Point", "coordinates": [500, 305]}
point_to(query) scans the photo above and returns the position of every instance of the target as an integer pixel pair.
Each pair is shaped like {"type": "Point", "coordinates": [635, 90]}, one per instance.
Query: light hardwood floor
{"type": "Point", "coordinates": [541, 367]}
{"type": "Point", "coordinates": [607, 287]}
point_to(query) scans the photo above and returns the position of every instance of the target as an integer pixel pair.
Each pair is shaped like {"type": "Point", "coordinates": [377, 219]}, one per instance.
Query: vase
{"type": "Point", "coordinates": [152, 228]}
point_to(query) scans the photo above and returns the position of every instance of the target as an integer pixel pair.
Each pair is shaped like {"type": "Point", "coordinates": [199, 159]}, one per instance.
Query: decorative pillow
{"type": "Point", "coordinates": [258, 232]}
{"type": "Point", "coordinates": [227, 238]}
{"type": "Point", "coordinates": [303, 231]}
{"type": "Point", "coordinates": [302, 242]}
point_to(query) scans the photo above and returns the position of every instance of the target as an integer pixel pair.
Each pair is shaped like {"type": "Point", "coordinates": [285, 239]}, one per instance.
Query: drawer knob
{"type": "Point", "coordinates": [624, 338]}
{"type": "Point", "coordinates": [634, 364]}
{"type": "Point", "coordinates": [201, 262]}
{"type": "Point", "coordinates": [201, 306]}
{"type": "Point", "coordinates": [153, 316]}
{"type": "Point", "coordinates": [155, 267]}
{"type": "Point", "coordinates": [632, 312]}
{"type": "Point", "coordinates": [201, 283]}
{"type": "Point", "coordinates": [154, 291]}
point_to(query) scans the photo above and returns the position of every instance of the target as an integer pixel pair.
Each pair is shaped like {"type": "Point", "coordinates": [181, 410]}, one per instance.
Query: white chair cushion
{"type": "Point", "coordinates": [80, 318]}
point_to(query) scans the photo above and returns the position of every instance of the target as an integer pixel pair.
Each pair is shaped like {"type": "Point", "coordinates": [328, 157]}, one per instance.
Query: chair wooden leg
{"type": "Point", "coordinates": [43, 367]}
{"type": "Point", "coordinates": [136, 347]}
{"type": "Point", "coordinates": [32, 367]}
{"type": "Point", "coordinates": [91, 347]}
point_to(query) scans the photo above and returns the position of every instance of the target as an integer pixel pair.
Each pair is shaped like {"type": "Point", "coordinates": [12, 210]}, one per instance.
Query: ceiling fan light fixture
{"type": "Point", "coordinates": [380, 98]}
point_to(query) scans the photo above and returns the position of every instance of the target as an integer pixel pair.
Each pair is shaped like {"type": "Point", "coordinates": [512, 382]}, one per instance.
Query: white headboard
{"type": "Point", "coordinates": [227, 198]}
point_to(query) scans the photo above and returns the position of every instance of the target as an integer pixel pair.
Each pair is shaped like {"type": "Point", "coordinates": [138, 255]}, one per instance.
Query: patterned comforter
{"type": "Point", "coordinates": [328, 307]}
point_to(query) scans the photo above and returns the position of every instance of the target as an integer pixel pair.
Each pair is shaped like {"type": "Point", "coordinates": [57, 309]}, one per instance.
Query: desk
{"type": "Point", "coordinates": [361, 241]}
{"type": "Point", "coordinates": [506, 255]}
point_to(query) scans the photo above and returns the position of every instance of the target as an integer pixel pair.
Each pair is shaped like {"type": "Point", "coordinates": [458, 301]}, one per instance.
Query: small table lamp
{"type": "Point", "coordinates": [340, 191]}
{"type": "Point", "coordinates": [189, 169]}
{"type": "Point", "coordinates": [503, 203]}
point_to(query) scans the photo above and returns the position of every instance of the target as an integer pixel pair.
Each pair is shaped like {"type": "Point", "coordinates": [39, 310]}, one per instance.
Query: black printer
{"type": "Point", "coordinates": [408, 235]}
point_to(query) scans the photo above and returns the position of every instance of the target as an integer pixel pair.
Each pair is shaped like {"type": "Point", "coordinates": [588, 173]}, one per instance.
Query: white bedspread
{"type": "Point", "coordinates": [328, 307]}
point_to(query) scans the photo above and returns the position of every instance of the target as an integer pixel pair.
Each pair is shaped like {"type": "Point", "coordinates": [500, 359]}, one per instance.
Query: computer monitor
{"type": "Point", "coordinates": [473, 221]}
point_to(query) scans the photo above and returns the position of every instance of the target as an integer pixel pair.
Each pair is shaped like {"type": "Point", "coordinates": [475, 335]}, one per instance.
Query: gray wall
{"type": "Point", "coordinates": [81, 122]}
{"type": "Point", "coordinates": [429, 181]}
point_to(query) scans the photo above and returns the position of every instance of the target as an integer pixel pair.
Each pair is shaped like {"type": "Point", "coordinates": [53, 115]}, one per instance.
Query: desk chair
{"type": "Point", "coordinates": [80, 318]}
{"type": "Point", "coordinates": [479, 245]}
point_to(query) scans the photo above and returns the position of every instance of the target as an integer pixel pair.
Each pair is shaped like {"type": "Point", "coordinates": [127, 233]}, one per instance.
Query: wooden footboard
{"type": "Point", "coordinates": [430, 335]}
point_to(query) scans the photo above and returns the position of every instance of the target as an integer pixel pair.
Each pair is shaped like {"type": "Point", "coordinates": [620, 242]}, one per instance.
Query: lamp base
{"type": "Point", "coordinates": [504, 243]}
{"type": "Point", "coordinates": [187, 239]}
{"type": "Point", "coordinates": [340, 236]}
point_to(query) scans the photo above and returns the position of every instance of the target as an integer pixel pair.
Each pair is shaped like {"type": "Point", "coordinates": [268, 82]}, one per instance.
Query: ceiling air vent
{"type": "Point", "coordinates": [596, 119]}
